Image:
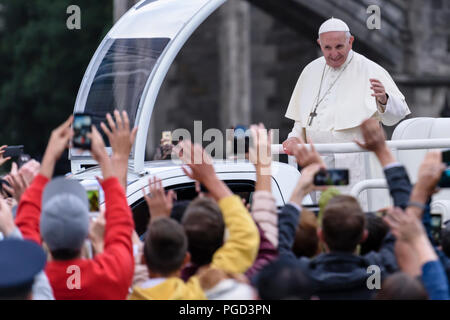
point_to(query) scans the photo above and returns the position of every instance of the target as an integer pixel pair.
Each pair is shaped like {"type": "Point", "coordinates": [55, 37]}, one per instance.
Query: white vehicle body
{"type": "Point", "coordinates": [284, 178]}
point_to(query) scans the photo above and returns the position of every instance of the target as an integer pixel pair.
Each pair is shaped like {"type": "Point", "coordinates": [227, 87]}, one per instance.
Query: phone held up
{"type": "Point", "coordinates": [332, 177]}
{"type": "Point", "coordinates": [436, 226]}
{"type": "Point", "coordinates": [82, 123]}
{"type": "Point", "coordinates": [93, 195]}
{"type": "Point", "coordinates": [444, 182]}
{"type": "Point", "coordinates": [13, 151]}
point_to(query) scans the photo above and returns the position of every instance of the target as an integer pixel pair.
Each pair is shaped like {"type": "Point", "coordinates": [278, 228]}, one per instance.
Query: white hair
{"type": "Point", "coordinates": [347, 35]}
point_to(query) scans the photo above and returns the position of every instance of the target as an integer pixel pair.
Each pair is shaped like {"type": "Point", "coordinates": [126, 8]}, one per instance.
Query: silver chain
{"type": "Point", "coordinates": [329, 89]}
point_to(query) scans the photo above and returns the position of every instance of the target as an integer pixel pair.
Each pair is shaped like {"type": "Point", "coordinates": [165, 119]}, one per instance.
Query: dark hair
{"type": "Point", "coordinates": [343, 224]}
{"type": "Point", "coordinates": [165, 246]}
{"type": "Point", "coordinates": [65, 254]}
{"type": "Point", "coordinates": [401, 286]}
{"type": "Point", "coordinates": [306, 242]}
{"type": "Point", "coordinates": [377, 230]}
{"type": "Point", "coordinates": [178, 209]}
{"type": "Point", "coordinates": [445, 239]}
{"type": "Point", "coordinates": [283, 280]}
{"type": "Point", "coordinates": [204, 226]}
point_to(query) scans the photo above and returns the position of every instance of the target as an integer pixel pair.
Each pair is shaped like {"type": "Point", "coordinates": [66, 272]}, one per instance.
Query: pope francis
{"type": "Point", "coordinates": [337, 92]}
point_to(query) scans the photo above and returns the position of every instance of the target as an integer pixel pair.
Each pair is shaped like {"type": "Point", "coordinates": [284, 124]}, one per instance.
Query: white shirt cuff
{"type": "Point", "coordinates": [393, 165]}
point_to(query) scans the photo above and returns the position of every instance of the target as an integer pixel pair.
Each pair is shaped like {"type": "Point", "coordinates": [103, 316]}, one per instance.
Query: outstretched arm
{"type": "Point", "coordinates": [396, 175]}
{"type": "Point", "coordinates": [238, 253]}
{"type": "Point", "coordinates": [290, 214]}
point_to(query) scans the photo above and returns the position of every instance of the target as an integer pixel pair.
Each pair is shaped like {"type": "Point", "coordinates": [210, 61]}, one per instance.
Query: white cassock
{"type": "Point", "coordinates": [343, 107]}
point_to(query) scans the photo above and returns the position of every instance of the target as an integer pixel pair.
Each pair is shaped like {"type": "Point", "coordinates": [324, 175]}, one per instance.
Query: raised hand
{"type": "Point", "coordinates": [261, 149]}
{"type": "Point", "coordinates": [199, 167]}
{"type": "Point", "coordinates": [98, 149]}
{"type": "Point", "coordinates": [159, 203]}
{"type": "Point", "coordinates": [430, 172]}
{"type": "Point", "coordinates": [379, 91]}
{"type": "Point", "coordinates": [287, 144]}
{"type": "Point", "coordinates": [405, 225]}
{"type": "Point", "coordinates": [2, 151]}
{"type": "Point", "coordinates": [375, 141]}
{"type": "Point", "coordinates": [7, 225]}
{"type": "Point", "coordinates": [17, 185]}
{"type": "Point", "coordinates": [120, 137]}
{"type": "Point", "coordinates": [58, 142]}
{"type": "Point", "coordinates": [198, 161]}
{"type": "Point", "coordinates": [305, 156]}
{"type": "Point", "coordinates": [305, 183]}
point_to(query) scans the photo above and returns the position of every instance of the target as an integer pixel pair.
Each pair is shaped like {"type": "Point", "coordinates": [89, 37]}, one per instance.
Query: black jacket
{"type": "Point", "coordinates": [340, 275]}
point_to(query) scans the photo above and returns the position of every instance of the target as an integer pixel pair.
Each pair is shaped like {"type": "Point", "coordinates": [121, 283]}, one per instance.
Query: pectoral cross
{"type": "Point", "coordinates": [312, 115]}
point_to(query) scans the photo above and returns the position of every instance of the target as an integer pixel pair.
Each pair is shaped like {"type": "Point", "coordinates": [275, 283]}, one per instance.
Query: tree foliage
{"type": "Point", "coordinates": [42, 64]}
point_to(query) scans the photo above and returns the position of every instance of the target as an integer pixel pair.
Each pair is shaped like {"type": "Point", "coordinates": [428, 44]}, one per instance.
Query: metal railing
{"type": "Point", "coordinates": [351, 147]}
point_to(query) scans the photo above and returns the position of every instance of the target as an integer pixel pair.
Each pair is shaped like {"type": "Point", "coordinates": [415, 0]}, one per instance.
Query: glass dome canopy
{"type": "Point", "coordinates": [129, 66]}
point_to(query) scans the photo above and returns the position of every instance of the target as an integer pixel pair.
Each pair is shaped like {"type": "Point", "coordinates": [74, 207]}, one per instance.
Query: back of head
{"type": "Point", "coordinates": [377, 230]}
{"type": "Point", "coordinates": [165, 246]}
{"type": "Point", "coordinates": [401, 286]}
{"type": "Point", "coordinates": [343, 224]}
{"type": "Point", "coordinates": [64, 220]}
{"type": "Point", "coordinates": [306, 242]}
{"type": "Point", "coordinates": [283, 280]}
{"type": "Point", "coordinates": [20, 262]}
{"type": "Point", "coordinates": [204, 227]}
{"type": "Point", "coordinates": [178, 210]}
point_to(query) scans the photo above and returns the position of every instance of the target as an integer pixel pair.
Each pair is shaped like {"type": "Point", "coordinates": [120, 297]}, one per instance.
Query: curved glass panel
{"type": "Point", "coordinates": [122, 75]}
{"type": "Point", "coordinates": [130, 64]}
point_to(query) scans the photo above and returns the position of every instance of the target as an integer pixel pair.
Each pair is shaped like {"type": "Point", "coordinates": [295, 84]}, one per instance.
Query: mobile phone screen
{"type": "Point", "coordinates": [13, 151]}
{"type": "Point", "coordinates": [444, 182]}
{"type": "Point", "coordinates": [436, 223]}
{"type": "Point", "coordinates": [93, 199]}
{"type": "Point", "coordinates": [81, 127]}
{"type": "Point", "coordinates": [332, 177]}
{"type": "Point", "coordinates": [446, 157]}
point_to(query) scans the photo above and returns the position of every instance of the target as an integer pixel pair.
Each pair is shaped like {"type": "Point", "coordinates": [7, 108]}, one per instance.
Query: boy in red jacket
{"type": "Point", "coordinates": [63, 219]}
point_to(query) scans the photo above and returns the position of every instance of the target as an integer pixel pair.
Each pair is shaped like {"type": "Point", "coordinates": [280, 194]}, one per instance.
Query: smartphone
{"type": "Point", "coordinates": [167, 137]}
{"type": "Point", "coordinates": [13, 151]}
{"type": "Point", "coordinates": [82, 123]}
{"type": "Point", "coordinates": [444, 182]}
{"type": "Point", "coordinates": [446, 157]}
{"type": "Point", "coordinates": [93, 195]}
{"type": "Point", "coordinates": [332, 177]}
{"type": "Point", "coordinates": [436, 225]}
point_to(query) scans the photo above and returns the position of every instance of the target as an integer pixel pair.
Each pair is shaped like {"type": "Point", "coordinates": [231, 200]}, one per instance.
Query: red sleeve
{"type": "Point", "coordinates": [117, 261]}
{"type": "Point", "coordinates": [29, 210]}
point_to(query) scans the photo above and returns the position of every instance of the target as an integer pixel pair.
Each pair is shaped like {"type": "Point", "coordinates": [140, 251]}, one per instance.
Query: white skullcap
{"type": "Point", "coordinates": [333, 24]}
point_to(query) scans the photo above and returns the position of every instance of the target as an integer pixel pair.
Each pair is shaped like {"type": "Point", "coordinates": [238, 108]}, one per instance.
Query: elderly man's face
{"type": "Point", "coordinates": [335, 47]}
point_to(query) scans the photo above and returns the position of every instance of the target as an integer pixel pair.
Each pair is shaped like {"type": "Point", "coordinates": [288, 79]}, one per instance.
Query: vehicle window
{"type": "Point", "coordinates": [122, 75]}
{"type": "Point", "coordinates": [185, 193]}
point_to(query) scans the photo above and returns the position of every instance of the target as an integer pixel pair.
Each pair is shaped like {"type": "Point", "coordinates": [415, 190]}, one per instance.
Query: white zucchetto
{"type": "Point", "coordinates": [333, 24]}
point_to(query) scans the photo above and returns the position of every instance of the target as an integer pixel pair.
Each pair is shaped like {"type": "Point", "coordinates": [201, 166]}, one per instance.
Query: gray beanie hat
{"type": "Point", "coordinates": [65, 214]}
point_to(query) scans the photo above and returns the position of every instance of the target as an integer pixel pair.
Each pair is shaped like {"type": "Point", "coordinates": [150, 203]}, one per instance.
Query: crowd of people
{"type": "Point", "coordinates": [217, 247]}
